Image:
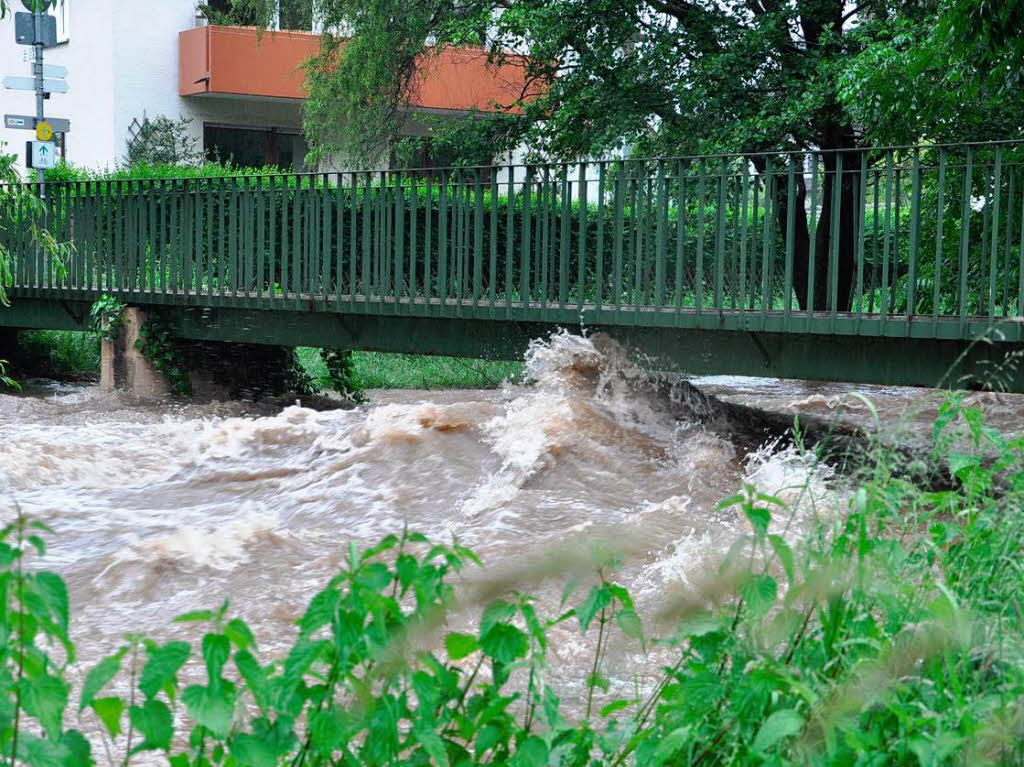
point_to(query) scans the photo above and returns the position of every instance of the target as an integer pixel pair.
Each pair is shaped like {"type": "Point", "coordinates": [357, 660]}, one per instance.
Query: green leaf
{"type": "Point", "coordinates": [427, 737]}
{"type": "Point", "coordinates": [45, 697]}
{"type": "Point", "coordinates": [760, 593]}
{"type": "Point", "coordinates": [600, 596]}
{"type": "Point", "coordinates": [759, 518]}
{"type": "Point", "coordinates": [958, 462]}
{"type": "Point", "coordinates": [239, 633]}
{"type": "Point", "coordinates": [99, 677]}
{"type": "Point", "coordinates": [250, 751]}
{"type": "Point", "coordinates": [54, 591]}
{"type": "Point", "coordinates": [630, 624]}
{"type": "Point", "coordinates": [460, 645]}
{"type": "Point", "coordinates": [216, 651]}
{"type": "Point", "coordinates": [671, 743]}
{"type": "Point", "coordinates": [781, 724]}
{"type": "Point", "coordinates": [211, 707]}
{"type": "Point", "coordinates": [784, 553]}
{"type": "Point", "coordinates": [486, 738]}
{"type": "Point", "coordinates": [195, 616]}
{"type": "Point", "coordinates": [162, 667]}
{"type": "Point", "coordinates": [613, 707]}
{"type": "Point", "coordinates": [254, 676]}
{"type": "Point", "coordinates": [327, 730]}
{"type": "Point", "coordinates": [153, 719]}
{"type": "Point", "coordinates": [505, 643]}
{"type": "Point", "coordinates": [496, 612]}
{"type": "Point", "coordinates": [533, 752]}
{"type": "Point", "coordinates": [79, 750]}
{"type": "Point", "coordinates": [109, 711]}
{"type": "Point", "coordinates": [42, 752]}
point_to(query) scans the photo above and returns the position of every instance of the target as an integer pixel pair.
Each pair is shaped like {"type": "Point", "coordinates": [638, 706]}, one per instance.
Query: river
{"type": "Point", "coordinates": [163, 508]}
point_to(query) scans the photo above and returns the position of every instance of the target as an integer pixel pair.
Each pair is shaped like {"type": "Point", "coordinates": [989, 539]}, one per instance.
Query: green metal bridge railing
{"type": "Point", "coordinates": [919, 242]}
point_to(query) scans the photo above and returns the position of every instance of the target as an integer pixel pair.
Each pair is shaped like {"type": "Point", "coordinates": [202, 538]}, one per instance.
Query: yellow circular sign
{"type": "Point", "coordinates": [44, 131]}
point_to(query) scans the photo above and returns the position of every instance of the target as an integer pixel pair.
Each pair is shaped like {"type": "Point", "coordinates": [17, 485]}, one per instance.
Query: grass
{"type": "Point", "coordinates": [380, 370]}
{"type": "Point", "coordinates": [76, 354]}
{"type": "Point", "coordinates": [60, 353]}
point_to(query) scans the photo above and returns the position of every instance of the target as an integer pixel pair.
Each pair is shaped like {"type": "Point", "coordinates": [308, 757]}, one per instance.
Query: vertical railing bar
{"type": "Point", "coordinates": [965, 238]}
{"type": "Point", "coordinates": [581, 248]}
{"type": "Point", "coordinates": [427, 240]}
{"type": "Point", "coordinates": [662, 245]}
{"type": "Point", "coordinates": [563, 239]}
{"type": "Point", "coordinates": [766, 238]}
{"type": "Point", "coordinates": [887, 239]}
{"type": "Point", "coordinates": [524, 273]}
{"type": "Point", "coordinates": [862, 205]}
{"type": "Point", "coordinates": [994, 251]}
{"type": "Point", "coordinates": [617, 240]}
{"type": "Point", "coordinates": [367, 254]}
{"type": "Point", "coordinates": [1005, 273]}
{"type": "Point", "coordinates": [812, 236]}
{"type": "Point", "coordinates": [510, 241]}
{"type": "Point", "coordinates": [478, 237]}
{"type": "Point", "coordinates": [834, 237]}
{"type": "Point", "coordinates": [698, 275]}
{"type": "Point", "coordinates": [601, 179]}
{"type": "Point", "coordinates": [492, 271]}
{"type": "Point", "coordinates": [680, 235]}
{"type": "Point", "coordinates": [741, 298]}
{"type": "Point", "coordinates": [915, 214]}
{"type": "Point", "coordinates": [720, 237]}
{"type": "Point", "coordinates": [787, 278]}
{"type": "Point", "coordinates": [939, 226]}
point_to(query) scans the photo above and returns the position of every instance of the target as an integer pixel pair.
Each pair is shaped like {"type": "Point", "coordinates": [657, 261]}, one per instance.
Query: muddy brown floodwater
{"type": "Point", "coordinates": [164, 508]}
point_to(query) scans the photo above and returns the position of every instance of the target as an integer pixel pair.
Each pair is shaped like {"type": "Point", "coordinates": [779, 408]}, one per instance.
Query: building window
{"type": "Point", "coordinates": [255, 147]}
{"type": "Point", "coordinates": [289, 14]}
{"type": "Point", "coordinates": [296, 15]}
{"type": "Point", "coordinates": [62, 12]}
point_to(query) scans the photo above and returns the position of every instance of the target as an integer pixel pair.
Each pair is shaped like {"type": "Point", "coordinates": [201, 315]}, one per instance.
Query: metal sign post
{"type": "Point", "coordinates": [38, 29]}
{"type": "Point", "coordinates": [37, 13]}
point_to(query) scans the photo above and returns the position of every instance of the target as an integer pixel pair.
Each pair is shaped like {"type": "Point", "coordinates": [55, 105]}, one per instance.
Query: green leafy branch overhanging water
{"type": "Point", "coordinates": [887, 632]}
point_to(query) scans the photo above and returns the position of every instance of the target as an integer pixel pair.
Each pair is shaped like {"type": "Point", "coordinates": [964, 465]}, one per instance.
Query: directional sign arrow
{"type": "Point", "coordinates": [14, 83]}
{"type": "Point", "coordinates": [55, 70]}
{"type": "Point", "coordinates": [28, 122]}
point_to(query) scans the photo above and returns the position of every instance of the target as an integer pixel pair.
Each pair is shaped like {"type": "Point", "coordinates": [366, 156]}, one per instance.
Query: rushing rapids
{"type": "Point", "coordinates": [160, 509]}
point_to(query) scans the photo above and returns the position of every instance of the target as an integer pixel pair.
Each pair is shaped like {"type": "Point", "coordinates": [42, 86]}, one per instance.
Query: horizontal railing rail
{"type": "Point", "coordinates": [902, 241]}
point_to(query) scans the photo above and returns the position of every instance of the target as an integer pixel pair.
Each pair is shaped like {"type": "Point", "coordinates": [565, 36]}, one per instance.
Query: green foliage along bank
{"type": "Point", "coordinates": [887, 632]}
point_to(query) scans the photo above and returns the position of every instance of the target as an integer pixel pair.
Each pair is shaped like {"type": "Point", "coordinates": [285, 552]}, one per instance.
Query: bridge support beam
{"type": "Point", "coordinates": [123, 367]}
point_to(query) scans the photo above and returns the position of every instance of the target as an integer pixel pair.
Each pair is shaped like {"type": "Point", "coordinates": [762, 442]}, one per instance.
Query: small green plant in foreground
{"type": "Point", "coordinates": [157, 345]}
{"type": "Point", "coordinates": [889, 633]}
{"type": "Point", "coordinates": [105, 316]}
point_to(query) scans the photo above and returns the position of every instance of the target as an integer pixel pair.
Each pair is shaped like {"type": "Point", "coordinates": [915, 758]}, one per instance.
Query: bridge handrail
{"type": "Point", "coordinates": [924, 240]}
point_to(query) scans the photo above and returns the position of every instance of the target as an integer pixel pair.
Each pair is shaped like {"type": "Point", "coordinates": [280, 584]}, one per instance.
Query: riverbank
{"type": "Point", "coordinates": [75, 356]}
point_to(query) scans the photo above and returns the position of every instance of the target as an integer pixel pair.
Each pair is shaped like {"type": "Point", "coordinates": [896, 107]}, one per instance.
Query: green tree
{"type": "Point", "coordinates": [690, 76]}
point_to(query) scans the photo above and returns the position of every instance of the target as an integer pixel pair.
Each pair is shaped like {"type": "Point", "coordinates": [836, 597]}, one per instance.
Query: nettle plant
{"type": "Point", "coordinates": [891, 633]}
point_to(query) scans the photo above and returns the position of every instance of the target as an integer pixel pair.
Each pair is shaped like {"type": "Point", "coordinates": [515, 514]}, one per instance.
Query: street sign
{"type": "Point", "coordinates": [44, 131]}
{"type": "Point", "coordinates": [28, 122]}
{"type": "Point", "coordinates": [43, 155]}
{"type": "Point", "coordinates": [54, 70]}
{"type": "Point", "coordinates": [25, 30]}
{"type": "Point", "coordinates": [50, 85]}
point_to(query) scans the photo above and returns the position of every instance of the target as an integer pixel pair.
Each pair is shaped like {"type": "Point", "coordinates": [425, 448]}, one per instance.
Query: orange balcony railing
{"type": "Point", "coordinates": [241, 61]}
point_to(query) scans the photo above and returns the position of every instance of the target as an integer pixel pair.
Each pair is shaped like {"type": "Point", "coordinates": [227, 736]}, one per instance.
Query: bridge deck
{"type": "Point", "coordinates": [1000, 329]}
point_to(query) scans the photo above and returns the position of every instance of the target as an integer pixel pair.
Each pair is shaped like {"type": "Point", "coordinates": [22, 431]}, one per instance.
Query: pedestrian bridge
{"type": "Point", "coordinates": [899, 265]}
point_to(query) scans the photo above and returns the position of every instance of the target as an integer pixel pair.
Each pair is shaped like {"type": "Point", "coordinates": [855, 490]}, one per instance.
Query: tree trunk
{"type": "Point", "coordinates": [823, 243]}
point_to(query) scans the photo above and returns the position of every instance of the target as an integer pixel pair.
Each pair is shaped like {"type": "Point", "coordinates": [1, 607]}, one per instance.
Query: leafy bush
{"type": "Point", "coordinates": [890, 634]}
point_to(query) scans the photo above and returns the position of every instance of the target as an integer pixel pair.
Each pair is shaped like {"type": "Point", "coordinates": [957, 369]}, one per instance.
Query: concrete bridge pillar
{"type": "Point", "coordinates": [123, 367]}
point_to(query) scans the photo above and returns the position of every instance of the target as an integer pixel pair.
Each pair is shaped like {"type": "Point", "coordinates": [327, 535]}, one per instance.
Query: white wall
{"type": "Point", "coordinates": [89, 57]}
